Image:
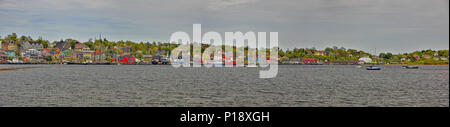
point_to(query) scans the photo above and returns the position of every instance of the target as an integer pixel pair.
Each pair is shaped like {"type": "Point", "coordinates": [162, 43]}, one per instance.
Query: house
{"type": "Point", "coordinates": [32, 55]}
{"type": "Point", "coordinates": [310, 61]}
{"type": "Point", "coordinates": [320, 53]}
{"type": "Point", "coordinates": [417, 57]}
{"type": "Point", "coordinates": [31, 45]}
{"type": "Point", "coordinates": [82, 51]}
{"type": "Point", "coordinates": [404, 59]}
{"type": "Point", "coordinates": [309, 52]}
{"type": "Point", "coordinates": [3, 56]}
{"type": "Point", "coordinates": [98, 55]}
{"type": "Point", "coordinates": [364, 60]}
{"type": "Point", "coordinates": [294, 61]}
{"type": "Point", "coordinates": [25, 45]}
{"type": "Point", "coordinates": [331, 54]}
{"type": "Point", "coordinates": [80, 46]}
{"type": "Point", "coordinates": [147, 58]}
{"type": "Point", "coordinates": [5, 46]}
{"type": "Point", "coordinates": [46, 52]}
{"type": "Point", "coordinates": [11, 53]}
{"type": "Point", "coordinates": [37, 45]}
{"type": "Point", "coordinates": [12, 46]}
{"type": "Point", "coordinates": [126, 49]}
{"type": "Point", "coordinates": [426, 56]}
{"type": "Point", "coordinates": [436, 54]}
{"type": "Point", "coordinates": [62, 45]}
{"type": "Point", "coordinates": [65, 53]}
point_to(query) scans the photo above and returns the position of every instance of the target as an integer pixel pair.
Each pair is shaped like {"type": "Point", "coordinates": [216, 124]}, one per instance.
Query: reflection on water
{"type": "Point", "coordinates": [138, 85]}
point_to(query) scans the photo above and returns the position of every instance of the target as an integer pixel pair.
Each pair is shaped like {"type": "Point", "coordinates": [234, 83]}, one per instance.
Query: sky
{"type": "Point", "coordinates": [395, 26]}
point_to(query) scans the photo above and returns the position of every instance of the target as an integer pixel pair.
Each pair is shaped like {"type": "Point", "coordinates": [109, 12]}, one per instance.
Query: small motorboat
{"type": "Point", "coordinates": [411, 67]}
{"type": "Point", "coordinates": [373, 67]}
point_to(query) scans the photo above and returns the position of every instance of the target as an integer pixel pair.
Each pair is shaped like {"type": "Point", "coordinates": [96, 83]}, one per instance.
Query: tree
{"type": "Point", "coordinates": [11, 37]}
{"type": "Point", "coordinates": [48, 58]}
{"type": "Point", "coordinates": [25, 38]}
{"type": "Point", "coordinates": [90, 45]}
{"type": "Point", "coordinates": [443, 53]}
{"type": "Point", "coordinates": [43, 42]}
{"type": "Point", "coordinates": [72, 42]}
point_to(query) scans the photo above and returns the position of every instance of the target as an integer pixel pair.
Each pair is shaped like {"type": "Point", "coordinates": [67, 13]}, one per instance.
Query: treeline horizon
{"type": "Point", "coordinates": [331, 53]}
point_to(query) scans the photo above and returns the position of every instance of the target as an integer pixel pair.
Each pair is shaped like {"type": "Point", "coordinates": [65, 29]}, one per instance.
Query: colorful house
{"type": "Point", "coordinates": [320, 53]}
{"type": "Point", "coordinates": [11, 53]}
{"type": "Point", "coordinates": [310, 61]}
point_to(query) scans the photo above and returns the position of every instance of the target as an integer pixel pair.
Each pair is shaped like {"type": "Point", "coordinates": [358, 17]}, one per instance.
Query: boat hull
{"type": "Point", "coordinates": [411, 67]}
{"type": "Point", "coordinates": [373, 68]}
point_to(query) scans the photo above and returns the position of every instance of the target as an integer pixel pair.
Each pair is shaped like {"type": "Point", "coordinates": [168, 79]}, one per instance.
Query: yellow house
{"type": "Point", "coordinates": [12, 47]}
{"type": "Point", "coordinates": [320, 53]}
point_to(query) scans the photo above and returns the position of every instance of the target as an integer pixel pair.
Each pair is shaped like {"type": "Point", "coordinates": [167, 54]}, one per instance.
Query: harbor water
{"type": "Point", "coordinates": [164, 85]}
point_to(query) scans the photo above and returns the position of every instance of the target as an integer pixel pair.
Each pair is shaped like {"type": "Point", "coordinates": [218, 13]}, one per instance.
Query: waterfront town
{"type": "Point", "coordinates": [26, 50]}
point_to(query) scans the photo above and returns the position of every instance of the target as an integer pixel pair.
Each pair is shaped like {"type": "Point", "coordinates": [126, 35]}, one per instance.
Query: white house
{"type": "Point", "coordinates": [364, 60]}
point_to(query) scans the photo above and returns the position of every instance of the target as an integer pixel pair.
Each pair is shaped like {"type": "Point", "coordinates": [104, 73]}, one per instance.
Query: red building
{"type": "Point", "coordinates": [310, 61]}
{"type": "Point", "coordinates": [126, 59]}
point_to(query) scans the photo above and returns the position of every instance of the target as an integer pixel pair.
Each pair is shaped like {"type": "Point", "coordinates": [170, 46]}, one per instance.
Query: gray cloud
{"type": "Point", "coordinates": [395, 26]}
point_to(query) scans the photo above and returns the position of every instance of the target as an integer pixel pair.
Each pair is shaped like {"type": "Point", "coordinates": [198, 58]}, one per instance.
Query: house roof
{"type": "Point", "coordinates": [35, 43]}
{"type": "Point", "coordinates": [60, 45]}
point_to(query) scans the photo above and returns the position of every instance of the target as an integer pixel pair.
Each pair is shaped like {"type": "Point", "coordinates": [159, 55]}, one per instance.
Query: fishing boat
{"type": "Point", "coordinates": [411, 67]}
{"type": "Point", "coordinates": [373, 67]}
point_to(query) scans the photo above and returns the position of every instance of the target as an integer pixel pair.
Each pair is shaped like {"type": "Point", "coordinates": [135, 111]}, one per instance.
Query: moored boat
{"type": "Point", "coordinates": [373, 67]}
{"type": "Point", "coordinates": [411, 67]}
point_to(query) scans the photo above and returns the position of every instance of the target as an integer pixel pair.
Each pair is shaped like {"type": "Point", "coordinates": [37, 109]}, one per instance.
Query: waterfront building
{"type": "Point", "coordinates": [426, 56]}
{"type": "Point", "coordinates": [5, 46]}
{"type": "Point", "coordinates": [364, 60]}
{"type": "Point", "coordinates": [310, 61]}
{"type": "Point", "coordinates": [32, 53]}
{"type": "Point", "coordinates": [82, 51]}
{"type": "Point", "coordinates": [147, 58]}
{"type": "Point", "coordinates": [12, 46]}
{"type": "Point", "coordinates": [3, 56]}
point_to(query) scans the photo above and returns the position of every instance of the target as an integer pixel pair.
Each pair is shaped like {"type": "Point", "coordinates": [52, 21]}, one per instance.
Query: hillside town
{"type": "Point", "coordinates": [26, 50]}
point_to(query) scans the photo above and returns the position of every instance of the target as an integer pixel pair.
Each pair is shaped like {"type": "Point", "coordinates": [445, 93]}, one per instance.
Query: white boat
{"type": "Point", "coordinates": [251, 66]}
{"type": "Point", "coordinates": [411, 67]}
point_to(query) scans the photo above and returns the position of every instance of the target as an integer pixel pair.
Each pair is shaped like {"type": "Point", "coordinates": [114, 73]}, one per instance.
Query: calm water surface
{"type": "Point", "coordinates": [148, 85]}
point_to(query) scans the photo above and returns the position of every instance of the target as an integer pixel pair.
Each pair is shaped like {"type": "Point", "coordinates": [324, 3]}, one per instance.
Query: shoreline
{"type": "Point", "coordinates": [16, 68]}
{"type": "Point", "coordinates": [170, 64]}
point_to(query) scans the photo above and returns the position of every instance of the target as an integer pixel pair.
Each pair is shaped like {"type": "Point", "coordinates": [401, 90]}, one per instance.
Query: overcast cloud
{"type": "Point", "coordinates": [388, 25]}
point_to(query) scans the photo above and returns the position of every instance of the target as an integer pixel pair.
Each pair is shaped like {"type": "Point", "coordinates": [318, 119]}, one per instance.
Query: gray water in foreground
{"type": "Point", "coordinates": [295, 85]}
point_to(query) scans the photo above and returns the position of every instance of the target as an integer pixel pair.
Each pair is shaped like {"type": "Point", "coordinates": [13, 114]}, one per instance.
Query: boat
{"type": "Point", "coordinates": [250, 66]}
{"type": "Point", "coordinates": [154, 62]}
{"type": "Point", "coordinates": [411, 67]}
{"type": "Point", "coordinates": [373, 67]}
